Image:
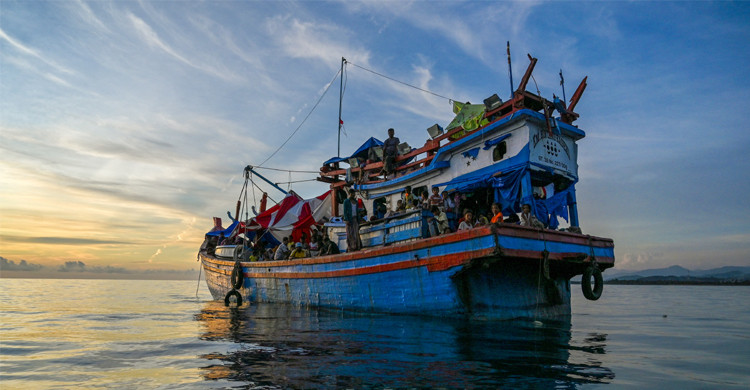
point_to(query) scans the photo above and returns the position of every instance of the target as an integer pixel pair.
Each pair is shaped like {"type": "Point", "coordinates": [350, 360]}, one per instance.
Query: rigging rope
{"type": "Point", "coordinates": [295, 181]}
{"type": "Point", "coordinates": [261, 190]}
{"type": "Point", "coordinates": [286, 170]}
{"type": "Point", "coordinates": [255, 200]}
{"type": "Point", "coordinates": [401, 82]}
{"type": "Point", "coordinates": [303, 121]}
{"type": "Point", "coordinates": [326, 91]}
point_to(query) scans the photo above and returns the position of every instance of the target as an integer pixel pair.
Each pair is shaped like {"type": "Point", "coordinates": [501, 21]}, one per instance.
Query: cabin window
{"type": "Point", "coordinates": [499, 152]}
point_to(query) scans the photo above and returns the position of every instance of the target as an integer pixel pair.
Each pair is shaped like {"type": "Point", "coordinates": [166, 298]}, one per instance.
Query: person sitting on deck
{"type": "Point", "coordinates": [399, 209]}
{"type": "Point", "coordinates": [298, 252]}
{"type": "Point", "coordinates": [390, 152]}
{"type": "Point", "coordinates": [468, 222]}
{"type": "Point", "coordinates": [529, 219]}
{"type": "Point", "coordinates": [408, 197]}
{"type": "Point", "coordinates": [329, 247]}
{"type": "Point", "coordinates": [315, 243]}
{"type": "Point", "coordinates": [497, 214]}
{"type": "Point", "coordinates": [482, 220]}
{"type": "Point", "coordinates": [380, 211]}
{"type": "Point", "coordinates": [441, 220]}
{"type": "Point", "coordinates": [513, 218]}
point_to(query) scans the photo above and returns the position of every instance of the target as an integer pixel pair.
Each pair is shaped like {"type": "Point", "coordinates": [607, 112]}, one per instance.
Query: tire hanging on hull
{"type": "Point", "coordinates": [595, 292]}
{"type": "Point", "coordinates": [238, 277]}
{"type": "Point", "coordinates": [237, 295]}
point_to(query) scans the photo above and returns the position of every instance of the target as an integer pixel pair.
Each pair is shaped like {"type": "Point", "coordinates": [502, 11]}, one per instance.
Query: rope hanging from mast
{"type": "Point", "coordinates": [342, 72]}
{"type": "Point", "coordinates": [303, 121]}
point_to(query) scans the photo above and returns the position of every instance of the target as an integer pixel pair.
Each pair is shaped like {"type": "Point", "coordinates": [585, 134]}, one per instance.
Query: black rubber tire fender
{"type": "Point", "coordinates": [238, 276]}
{"type": "Point", "coordinates": [237, 295]}
{"type": "Point", "coordinates": [595, 292]}
{"type": "Point", "coordinates": [239, 250]}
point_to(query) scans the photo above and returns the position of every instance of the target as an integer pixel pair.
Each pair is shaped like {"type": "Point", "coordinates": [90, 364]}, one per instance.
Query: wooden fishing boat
{"type": "Point", "coordinates": [512, 153]}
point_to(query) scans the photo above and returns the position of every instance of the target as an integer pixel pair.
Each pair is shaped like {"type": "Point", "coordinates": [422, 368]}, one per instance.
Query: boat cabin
{"type": "Point", "coordinates": [512, 153]}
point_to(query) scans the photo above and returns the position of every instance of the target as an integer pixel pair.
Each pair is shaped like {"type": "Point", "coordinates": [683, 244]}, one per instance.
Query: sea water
{"type": "Point", "coordinates": [160, 334]}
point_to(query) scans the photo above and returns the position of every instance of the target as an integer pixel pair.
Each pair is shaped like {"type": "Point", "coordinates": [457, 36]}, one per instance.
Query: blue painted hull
{"type": "Point", "coordinates": [488, 273]}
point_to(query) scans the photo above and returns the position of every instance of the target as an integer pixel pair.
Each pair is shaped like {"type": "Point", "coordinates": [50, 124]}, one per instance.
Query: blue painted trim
{"type": "Point", "coordinates": [493, 142]}
{"type": "Point", "coordinates": [471, 153]}
{"type": "Point", "coordinates": [433, 166]}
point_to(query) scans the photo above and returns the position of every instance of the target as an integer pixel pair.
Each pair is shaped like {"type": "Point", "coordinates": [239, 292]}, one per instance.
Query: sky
{"type": "Point", "coordinates": [125, 126]}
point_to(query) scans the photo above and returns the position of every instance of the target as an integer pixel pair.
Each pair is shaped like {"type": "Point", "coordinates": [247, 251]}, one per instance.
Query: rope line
{"type": "Point", "coordinates": [261, 190]}
{"type": "Point", "coordinates": [294, 181]}
{"type": "Point", "coordinates": [401, 82]}
{"type": "Point", "coordinates": [286, 170]}
{"type": "Point", "coordinates": [304, 120]}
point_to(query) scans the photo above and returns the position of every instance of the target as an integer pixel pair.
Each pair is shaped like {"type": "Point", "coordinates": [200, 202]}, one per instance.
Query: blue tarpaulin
{"type": "Point", "coordinates": [226, 231]}
{"type": "Point", "coordinates": [506, 181]}
{"type": "Point", "coordinates": [362, 152]}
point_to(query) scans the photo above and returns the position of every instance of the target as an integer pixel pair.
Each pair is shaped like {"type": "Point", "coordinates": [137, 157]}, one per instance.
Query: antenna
{"type": "Point", "coordinates": [510, 70]}
{"type": "Point", "coordinates": [562, 83]}
{"type": "Point", "coordinates": [341, 97]}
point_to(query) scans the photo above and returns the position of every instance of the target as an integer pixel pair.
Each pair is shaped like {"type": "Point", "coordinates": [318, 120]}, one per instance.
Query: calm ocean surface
{"type": "Point", "coordinates": [157, 334]}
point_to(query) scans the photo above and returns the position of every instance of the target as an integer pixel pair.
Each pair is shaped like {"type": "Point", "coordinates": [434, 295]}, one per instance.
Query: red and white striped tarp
{"type": "Point", "coordinates": [293, 216]}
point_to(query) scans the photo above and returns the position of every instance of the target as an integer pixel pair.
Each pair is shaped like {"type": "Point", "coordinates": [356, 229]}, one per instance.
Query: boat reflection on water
{"type": "Point", "coordinates": [283, 346]}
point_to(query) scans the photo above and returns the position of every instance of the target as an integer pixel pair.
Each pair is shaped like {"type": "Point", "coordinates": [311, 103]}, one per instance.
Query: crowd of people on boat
{"type": "Point", "coordinates": [448, 213]}
{"type": "Point", "coordinates": [443, 218]}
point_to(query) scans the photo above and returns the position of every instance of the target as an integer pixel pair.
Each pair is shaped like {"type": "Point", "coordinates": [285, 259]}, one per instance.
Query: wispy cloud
{"type": "Point", "coordinates": [310, 40]}
{"type": "Point", "coordinates": [152, 39]}
{"type": "Point", "coordinates": [33, 53]}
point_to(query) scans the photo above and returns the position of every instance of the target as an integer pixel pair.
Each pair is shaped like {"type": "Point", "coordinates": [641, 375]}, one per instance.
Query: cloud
{"type": "Point", "coordinates": [87, 15]}
{"type": "Point", "coordinates": [62, 240]}
{"type": "Point", "coordinates": [152, 39]}
{"type": "Point", "coordinates": [32, 53]}
{"type": "Point", "coordinates": [10, 265]}
{"type": "Point", "coordinates": [79, 266]}
{"type": "Point", "coordinates": [314, 40]}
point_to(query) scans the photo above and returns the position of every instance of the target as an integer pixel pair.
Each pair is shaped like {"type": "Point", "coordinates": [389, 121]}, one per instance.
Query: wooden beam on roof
{"type": "Point", "coordinates": [527, 75]}
{"type": "Point", "coordinates": [577, 95]}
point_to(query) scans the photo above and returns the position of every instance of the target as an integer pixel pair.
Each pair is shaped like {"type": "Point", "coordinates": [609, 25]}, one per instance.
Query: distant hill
{"type": "Point", "coordinates": [731, 275]}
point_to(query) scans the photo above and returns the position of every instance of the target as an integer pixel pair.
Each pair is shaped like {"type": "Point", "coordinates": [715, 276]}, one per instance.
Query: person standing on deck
{"type": "Point", "coordinates": [351, 217]}
{"type": "Point", "coordinates": [390, 152]}
{"type": "Point", "coordinates": [435, 198]}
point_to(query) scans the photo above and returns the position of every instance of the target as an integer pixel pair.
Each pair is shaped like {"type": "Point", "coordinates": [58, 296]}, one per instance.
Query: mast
{"type": "Point", "coordinates": [510, 69]}
{"type": "Point", "coordinates": [341, 98]}
{"type": "Point", "coordinates": [562, 84]}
